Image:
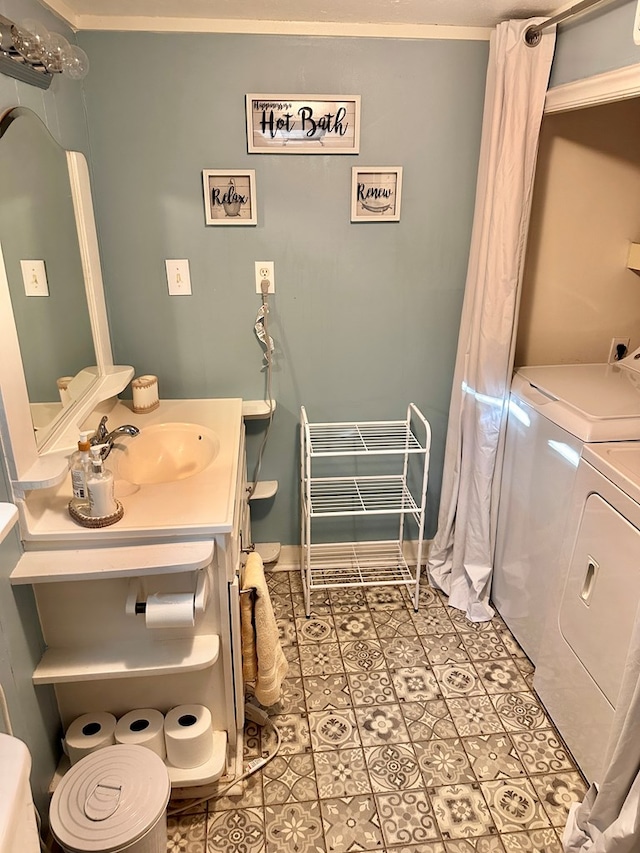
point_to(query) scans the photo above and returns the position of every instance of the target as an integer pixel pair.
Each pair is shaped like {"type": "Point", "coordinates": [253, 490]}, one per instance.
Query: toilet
{"type": "Point", "coordinates": [113, 800]}
{"type": "Point", "coordinates": [18, 828]}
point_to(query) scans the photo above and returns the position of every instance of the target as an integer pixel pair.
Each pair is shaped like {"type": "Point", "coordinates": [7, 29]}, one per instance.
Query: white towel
{"type": "Point", "coordinates": [263, 660]}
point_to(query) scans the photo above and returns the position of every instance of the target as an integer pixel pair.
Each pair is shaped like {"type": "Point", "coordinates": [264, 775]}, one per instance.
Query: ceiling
{"type": "Point", "coordinates": [214, 14]}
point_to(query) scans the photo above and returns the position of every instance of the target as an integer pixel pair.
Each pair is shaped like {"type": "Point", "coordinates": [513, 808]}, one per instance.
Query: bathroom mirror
{"type": "Point", "coordinates": [38, 224]}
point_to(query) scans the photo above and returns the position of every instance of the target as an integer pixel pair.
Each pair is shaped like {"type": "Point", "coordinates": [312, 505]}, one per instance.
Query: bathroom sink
{"type": "Point", "coordinates": [164, 453]}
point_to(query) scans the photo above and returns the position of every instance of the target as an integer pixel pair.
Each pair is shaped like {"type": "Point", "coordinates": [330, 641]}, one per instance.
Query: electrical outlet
{"type": "Point", "coordinates": [613, 349]}
{"type": "Point", "coordinates": [178, 278]}
{"type": "Point", "coordinates": [265, 269]}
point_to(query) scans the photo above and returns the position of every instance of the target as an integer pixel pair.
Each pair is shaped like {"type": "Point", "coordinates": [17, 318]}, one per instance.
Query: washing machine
{"type": "Point", "coordinates": [554, 411]}
{"type": "Point", "coordinates": [586, 640]}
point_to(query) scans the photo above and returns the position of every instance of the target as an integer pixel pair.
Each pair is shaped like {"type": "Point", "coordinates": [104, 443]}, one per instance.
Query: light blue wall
{"type": "Point", "coordinates": [599, 42]}
{"type": "Point", "coordinates": [33, 711]}
{"type": "Point", "coordinates": [365, 316]}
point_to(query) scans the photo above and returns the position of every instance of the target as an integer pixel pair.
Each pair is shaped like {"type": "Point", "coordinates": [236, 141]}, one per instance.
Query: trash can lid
{"type": "Point", "coordinates": [109, 799]}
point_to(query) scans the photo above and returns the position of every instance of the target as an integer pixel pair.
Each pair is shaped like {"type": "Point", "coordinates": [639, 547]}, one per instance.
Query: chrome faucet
{"type": "Point", "coordinates": [103, 436]}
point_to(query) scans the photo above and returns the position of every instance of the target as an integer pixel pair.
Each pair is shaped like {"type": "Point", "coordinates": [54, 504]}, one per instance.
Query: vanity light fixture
{"type": "Point", "coordinates": [28, 52]}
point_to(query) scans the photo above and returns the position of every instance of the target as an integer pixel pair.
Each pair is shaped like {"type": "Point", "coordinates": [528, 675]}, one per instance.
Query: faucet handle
{"type": "Point", "coordinates": [101, 431]}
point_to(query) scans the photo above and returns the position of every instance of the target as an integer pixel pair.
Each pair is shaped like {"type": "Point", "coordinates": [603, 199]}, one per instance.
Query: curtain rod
{"type": "Point", "coordinates": [533, 34]}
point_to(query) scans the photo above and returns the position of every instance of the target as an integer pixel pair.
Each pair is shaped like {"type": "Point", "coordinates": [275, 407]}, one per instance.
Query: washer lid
{"type": "Point", "coordinates": [109, 799]}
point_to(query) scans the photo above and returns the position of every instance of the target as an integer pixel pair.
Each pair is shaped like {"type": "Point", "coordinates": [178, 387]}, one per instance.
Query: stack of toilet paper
{"type": "Point", "coordinates": [182, 737]}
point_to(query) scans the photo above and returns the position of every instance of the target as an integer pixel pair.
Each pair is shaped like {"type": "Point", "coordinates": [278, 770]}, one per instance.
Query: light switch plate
{"type": "Point", "coordinates": [178, 278]}
{"type": "Point", "coordinates": [34, 277]}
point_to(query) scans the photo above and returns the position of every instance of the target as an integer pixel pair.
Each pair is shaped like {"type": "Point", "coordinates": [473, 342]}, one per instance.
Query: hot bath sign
{"type": "Point", "coordinates": [303, 124]}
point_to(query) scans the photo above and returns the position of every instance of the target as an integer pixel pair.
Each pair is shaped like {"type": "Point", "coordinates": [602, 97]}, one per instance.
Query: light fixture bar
{"type": "Point", "coordinates": [12, 64]}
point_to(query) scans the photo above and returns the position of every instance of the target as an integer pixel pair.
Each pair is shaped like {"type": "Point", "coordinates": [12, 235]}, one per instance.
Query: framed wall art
{"type": "Point", "coordinates": [376, 193]}
{"type": "Point", "coordinates": [303, 124]}
{"type": "Point", "coordinates": [230, 197]}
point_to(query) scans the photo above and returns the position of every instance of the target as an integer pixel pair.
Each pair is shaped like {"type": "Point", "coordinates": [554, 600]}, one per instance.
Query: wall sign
{"type": "Point", "coordinates": [303, 124]}
{"type": "Point", "coordinates": [375, 193]}
{"type": "Point", "coordinates": [230, 197]}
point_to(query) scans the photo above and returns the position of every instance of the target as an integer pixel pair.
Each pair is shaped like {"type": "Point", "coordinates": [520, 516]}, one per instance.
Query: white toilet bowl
{"type": "Point", "coordinates": [18, 828]}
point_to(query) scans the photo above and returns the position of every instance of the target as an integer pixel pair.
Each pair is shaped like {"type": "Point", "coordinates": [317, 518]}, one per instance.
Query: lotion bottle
{"type": "Point", "coordinates": [80, 465]}
{"type": "Point", "coordinates": [102, 500]}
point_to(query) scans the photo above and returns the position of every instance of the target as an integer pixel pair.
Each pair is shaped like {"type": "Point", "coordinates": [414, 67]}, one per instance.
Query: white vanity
{"type": "Point", "coordinates": [181, 532]}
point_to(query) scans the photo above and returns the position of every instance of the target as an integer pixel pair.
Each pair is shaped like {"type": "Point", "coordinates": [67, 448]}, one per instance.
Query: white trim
{"type": "Point", "coordinates": [144, 23]}
{"type": "Point", "coordinates": [599, 89]}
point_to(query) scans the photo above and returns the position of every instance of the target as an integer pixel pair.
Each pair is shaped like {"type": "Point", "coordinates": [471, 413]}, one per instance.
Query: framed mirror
{"type": "Point", "coordinates": [42, 258]}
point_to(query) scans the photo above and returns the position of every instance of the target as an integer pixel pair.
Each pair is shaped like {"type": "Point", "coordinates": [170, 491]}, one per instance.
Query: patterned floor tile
{"type": "Point", "coordinates": [501, 676]}
{"type": "Point", "coordinates": [294, 734]}
{"type": "Point", "coordinates": [484, 644]}
{"type": "Point", "coordinates": [326, 691]}
{"type": "Point", "coordinates": [292, 655]}
{"type": "Point", "coordinates": [252, 741]}
{"type": "Point", "coordinates": [385, 598]}
{"type": "Point", "coordinates": [295, 581]}
{"type": "Point", "coordinates": [320, 659]}
{"type": "Point", "coordinates": [186, 833]}
{"type": "Point", "coordinates": [493, 757]}
{"type": "Point", "coordinates": [294, 827]}
{"type": "Point", "coordinates": [461, 811]}
{"type": "Point", "coordinates": [537, 841]}
{"type": "Point", "coordinates": [289, 779]}
{"type": "Point", "coordinates": [510, 643]}
{"type": "Point", "coordinates": [341, 773]}
{"type": "Point", "coordinates": [427, 597]}
{"type": "Point", "coordinates": [407, 818]}
{"type": "Point", "coordinates": [485, 844]}
{"type": "Point", "coordinates": [347, 600]}
{"type": "Point", "coordinates": [333, 729]}
{"type": "Point", "coordinates": [514, 805]}
{"type": "Point", "coordinates": [426, 847]}
{"type": "Point", "coordinates": [464, 625]}
{"type": "Point", "coordinates": [558, 792]}
{"type": "Point", "coordinates": [278, 583]}
{"type": "Point", "coordinates": [426, 720]}
{"type": "Point", "coordinates": [381, 724]}
{"type": "Point", "coordinates": [355, 626]}
{"type": "Point", "coordinates": [371, 688]}
{"type": "Point", "coordinates": [444, 648]}
{"type": "Point", "coordinates": [291, 699]}
{"type": "Point", "coordinates": [542, 752]}
{"type": "Point", "coordinates": [282, 606]}
{"type": "Point", "coordinates": [520, 712]}
{"type": "Point", "coordinates": [362, 656]}
{"type": "Point", "coordinates": [459, 679]}
{"type": "Point", "coordinates": [474, 715]}
{"type": "Point", "coordinates": [287, 632]}
{"type": "Point", "coordinates": [320, 604]}
{"type": "Point", "coordinates": [393, 767]}
{"type": "Point", "coordinates": [403, 651]}
{"type": "Point", "coordinates": [351, 824]}
{"type": "Point", "coordinates": [250, 796]}
{"type": "Point", "coordinates": [433, 620]}
{"type": "Point", "coordinates": [443, 762]}
{"type": "Point", "coordinates": [415, 684]}
{"type": "Point", "coordinates": [316, 629]}
{"type": "Point", "coordinates": [239, 829]}
{"type": "Point", "coordinates": [390, 624]}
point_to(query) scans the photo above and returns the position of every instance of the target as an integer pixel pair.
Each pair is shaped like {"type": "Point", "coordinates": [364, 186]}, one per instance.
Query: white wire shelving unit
{"type": "Point", "coordinates": [401, 492]}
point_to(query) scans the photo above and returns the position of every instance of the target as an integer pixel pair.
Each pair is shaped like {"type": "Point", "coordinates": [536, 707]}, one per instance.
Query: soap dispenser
{"type": "Point", "coordinates": [102, 501]}
{"type": "Point", "coordinates": [79, 465]}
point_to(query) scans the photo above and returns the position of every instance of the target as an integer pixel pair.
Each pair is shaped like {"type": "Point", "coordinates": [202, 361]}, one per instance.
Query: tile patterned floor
{"type": "Point", "coordinates": [401, 733]}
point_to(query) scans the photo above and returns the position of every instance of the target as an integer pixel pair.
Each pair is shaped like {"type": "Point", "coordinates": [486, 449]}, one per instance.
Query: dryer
{"type": "Point", "coordinates": [554, 411]}
{"type": "Point", "coordinates": [587, 634]}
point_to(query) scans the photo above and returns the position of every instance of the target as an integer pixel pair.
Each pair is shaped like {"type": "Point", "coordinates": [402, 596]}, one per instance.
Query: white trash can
{"type": "Point", "coordinates": [113, 801]}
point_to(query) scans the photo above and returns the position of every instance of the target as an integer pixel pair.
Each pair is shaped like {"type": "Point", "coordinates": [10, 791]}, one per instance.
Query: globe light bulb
{"type": "Point", "coordinates": [56, 53]}
{"type": "Point", "coordinates": [37, 44]}
{"type": "Point", "coordinates": [75, 63]}
{"type": "Point", "coordinates": [26, 43]}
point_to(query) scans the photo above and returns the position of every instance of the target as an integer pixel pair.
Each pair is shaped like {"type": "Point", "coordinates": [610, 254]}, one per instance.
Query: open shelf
{"type": "Point", "coordinates": [120, 660]}
{"type": "Point", "coordinates": [257, 409]}
{"type": "Point", "coordinates": [205, 773]}
{"type": "Point", "coordinates": [360, 496]}
{"type": "Point", "coordinates": [264, 489]}
{"type": "Point", "coordinates": [102, 563]}
{"type": "Point", "coordinates": [359, 564]}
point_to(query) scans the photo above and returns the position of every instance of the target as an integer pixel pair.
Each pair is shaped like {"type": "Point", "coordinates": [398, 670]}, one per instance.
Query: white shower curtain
{"type": "Point", "coordinates": [461, 555]}
{"type": "Point", "coordinates": [608, 819]}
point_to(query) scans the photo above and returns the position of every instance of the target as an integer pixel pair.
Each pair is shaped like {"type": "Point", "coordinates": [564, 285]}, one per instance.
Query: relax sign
{"type": "Point", "coordinates": [300, 124]}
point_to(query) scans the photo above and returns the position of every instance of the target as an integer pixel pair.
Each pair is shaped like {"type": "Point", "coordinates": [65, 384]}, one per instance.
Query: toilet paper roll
{"type": "Point", "coordinates": [143, 727]}
{"type": "Point", "coordinates": [88, 733]}
{"type": "Point", "coordinates": [187, 734]}
{"type": "Point", "coordinates": [145, 394]}
{"type": "Point", "coordinates": [170, 610]}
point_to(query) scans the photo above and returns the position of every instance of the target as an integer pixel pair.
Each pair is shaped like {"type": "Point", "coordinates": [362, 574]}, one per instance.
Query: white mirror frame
{"type": "Point", "coordinates": [28, 468]}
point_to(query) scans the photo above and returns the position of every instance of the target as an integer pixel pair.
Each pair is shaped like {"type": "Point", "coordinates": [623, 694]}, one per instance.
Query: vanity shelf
{"type": "Point", "coordinates": [103, 563]}
{"type": "Point", "coordinates": [264, 489]}
{"type": "Point", "coordinates": [125, 660]}
{"type": "Point", "coordinates": [257, 409]}
{"type": "Point", "coordinates": [392, 482]}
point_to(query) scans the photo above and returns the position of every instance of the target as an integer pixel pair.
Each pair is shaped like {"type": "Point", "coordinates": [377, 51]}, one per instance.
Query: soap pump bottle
{"type": "Point", "coordinates": [102, 500]}
{"type": "Point", "coordinates": [79, 465]}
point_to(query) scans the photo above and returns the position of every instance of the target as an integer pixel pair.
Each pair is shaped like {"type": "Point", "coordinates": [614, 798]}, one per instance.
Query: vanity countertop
{"type": "Point", "coordinates": [196, 507]}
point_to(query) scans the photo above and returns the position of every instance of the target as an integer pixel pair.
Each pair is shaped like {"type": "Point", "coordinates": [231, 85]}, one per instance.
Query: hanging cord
{"type": "Point", "coordinates": [262, 330]}
{"type": "Point", "coordinates": [256, 715]}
